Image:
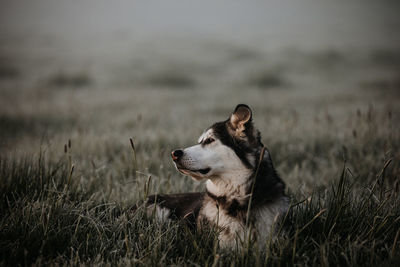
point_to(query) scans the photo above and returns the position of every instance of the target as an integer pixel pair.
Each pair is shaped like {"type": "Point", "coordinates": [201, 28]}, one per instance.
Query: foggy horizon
{"type": "Point", "coordinates": [270, 24]}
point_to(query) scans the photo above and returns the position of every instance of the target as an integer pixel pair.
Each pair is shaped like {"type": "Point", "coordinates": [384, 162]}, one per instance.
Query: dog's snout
{"type": "Point", "coordinates": [176, 154]}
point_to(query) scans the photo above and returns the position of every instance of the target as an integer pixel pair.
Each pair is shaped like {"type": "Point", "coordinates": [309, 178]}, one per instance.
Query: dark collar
{"type": "Point", "coordinates": [232, 207]}
{"type": "Point", "coordinates": [221, 200]}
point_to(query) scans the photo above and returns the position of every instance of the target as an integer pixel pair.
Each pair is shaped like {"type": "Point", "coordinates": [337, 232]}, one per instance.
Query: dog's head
{"type": "Point", "coordinates": [226, 149]}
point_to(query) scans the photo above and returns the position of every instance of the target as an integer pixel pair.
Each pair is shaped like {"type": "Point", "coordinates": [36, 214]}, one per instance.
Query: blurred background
{"type": "Point", "coordinates": [322, 78]}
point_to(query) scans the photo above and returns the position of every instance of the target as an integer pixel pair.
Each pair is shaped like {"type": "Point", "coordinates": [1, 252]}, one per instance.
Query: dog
{"type": "Point", "coordinates": [244, 196]}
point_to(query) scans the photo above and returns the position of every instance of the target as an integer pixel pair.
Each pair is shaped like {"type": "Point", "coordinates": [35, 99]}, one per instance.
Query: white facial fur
{"type": "Point", "coordinates": [227, 172]}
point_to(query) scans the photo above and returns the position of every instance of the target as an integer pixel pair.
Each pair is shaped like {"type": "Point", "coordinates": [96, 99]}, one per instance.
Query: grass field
{"type": "Point", "coordinates": [329, 115]}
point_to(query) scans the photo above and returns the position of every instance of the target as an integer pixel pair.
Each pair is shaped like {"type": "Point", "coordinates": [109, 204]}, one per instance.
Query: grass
{"type": "Point", "coordinates": [47, 218]}
{"type": "Point", "coordinates": [334, 138]}
{"type": "Point", "coordinates": [65, 210]}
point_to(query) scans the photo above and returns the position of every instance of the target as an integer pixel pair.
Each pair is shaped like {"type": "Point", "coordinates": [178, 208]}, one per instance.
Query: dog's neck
{"type": "Point", "coordinates": [231, 186]}
{"type": "Point", "coordinates": [237, 185]}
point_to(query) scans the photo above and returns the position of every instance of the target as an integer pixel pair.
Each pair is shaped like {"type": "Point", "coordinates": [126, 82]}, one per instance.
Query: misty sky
{"type": "Point", "coordinates": [278, 23]}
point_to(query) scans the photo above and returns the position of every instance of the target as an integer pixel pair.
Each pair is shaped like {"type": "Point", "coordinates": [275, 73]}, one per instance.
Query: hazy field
{"type": "Point", "coordinates": [321, 109]}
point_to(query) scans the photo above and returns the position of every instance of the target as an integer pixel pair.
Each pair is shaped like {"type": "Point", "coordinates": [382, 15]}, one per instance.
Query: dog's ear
{"type": "Point", "coordinates": [240, 117]}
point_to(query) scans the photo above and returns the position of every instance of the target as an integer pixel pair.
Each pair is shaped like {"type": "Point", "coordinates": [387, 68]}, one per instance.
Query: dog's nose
{"type": "Point", "coordinates": [176, 154]}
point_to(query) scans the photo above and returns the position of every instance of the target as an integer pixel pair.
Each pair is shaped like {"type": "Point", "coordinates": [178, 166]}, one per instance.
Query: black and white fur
{"type": "Point", "coordinates": [228, 157]}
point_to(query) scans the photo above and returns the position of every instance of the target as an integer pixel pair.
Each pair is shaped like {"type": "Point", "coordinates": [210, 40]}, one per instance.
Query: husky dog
{"type": "Point", "coordinates": [244, 195]}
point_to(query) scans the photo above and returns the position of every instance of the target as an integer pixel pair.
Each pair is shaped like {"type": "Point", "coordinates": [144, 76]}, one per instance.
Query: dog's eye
{"type": "Point", "coordinates": [208, 141]}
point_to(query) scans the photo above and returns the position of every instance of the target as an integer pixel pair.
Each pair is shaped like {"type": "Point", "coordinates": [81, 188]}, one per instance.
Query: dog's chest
{"type": "Point", "coordinates": [230, 226]}
{"type": "Point", "coordinates": [233, 228]}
